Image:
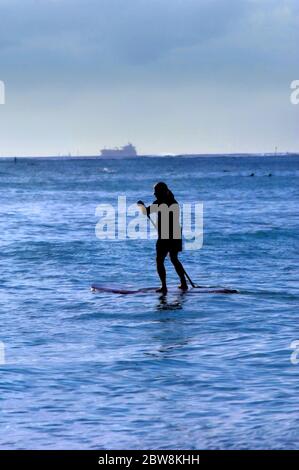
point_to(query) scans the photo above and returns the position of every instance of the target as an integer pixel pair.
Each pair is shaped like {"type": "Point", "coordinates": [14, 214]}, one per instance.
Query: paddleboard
{"type": "Point", "coordinates": [145, 290]}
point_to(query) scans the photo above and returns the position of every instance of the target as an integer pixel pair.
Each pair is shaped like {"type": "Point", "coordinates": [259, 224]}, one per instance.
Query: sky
{"type": "Point", "coordinates": [171, 76]}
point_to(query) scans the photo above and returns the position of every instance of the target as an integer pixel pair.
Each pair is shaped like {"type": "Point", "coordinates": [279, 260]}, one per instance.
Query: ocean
{"type": "Point", "coordinates": [81, 370]}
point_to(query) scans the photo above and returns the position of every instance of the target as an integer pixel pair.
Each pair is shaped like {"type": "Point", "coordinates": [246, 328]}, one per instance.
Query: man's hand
{"type": "Point", "coordinates": [142, 207]}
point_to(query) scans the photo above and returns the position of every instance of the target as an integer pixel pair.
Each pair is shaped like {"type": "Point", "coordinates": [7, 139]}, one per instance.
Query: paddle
{"type": "Point", "coordinates": [141, 203]}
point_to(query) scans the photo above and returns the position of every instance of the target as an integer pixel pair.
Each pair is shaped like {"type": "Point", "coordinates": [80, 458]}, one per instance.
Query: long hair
{"type": "Point", "coordinates": [163, 189]}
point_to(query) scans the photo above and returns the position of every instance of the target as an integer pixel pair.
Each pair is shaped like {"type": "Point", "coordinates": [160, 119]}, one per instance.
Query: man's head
{"type": "Point", "coordinates": [161, 190]}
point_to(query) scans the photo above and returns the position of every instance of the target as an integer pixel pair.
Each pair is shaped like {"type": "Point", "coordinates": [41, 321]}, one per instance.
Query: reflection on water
{"type": "Point", "coordinates": [176, 302]}
{"type": "Point", "coordinates": [171, 334]}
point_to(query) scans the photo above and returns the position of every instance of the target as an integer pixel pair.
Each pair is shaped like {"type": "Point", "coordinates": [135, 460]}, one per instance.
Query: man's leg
{"type": "Point", "coordinates": [179, 269]}
{"type": "Point", "coordinates": [161, 269]}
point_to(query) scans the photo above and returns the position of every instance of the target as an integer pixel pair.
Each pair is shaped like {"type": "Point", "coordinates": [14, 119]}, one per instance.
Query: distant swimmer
{"type": "Point", "coordinates": [252, 174]}
{"type": "Point", "coordinates": [169, 233]}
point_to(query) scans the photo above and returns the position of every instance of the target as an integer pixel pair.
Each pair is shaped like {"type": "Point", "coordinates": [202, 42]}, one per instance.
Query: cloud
{"type": "Point", "coordinates": [114, 69]}
{"type": "Point", "coordinates": [107, 31]}
{"type": "Point", "coordinates": [108, 38]}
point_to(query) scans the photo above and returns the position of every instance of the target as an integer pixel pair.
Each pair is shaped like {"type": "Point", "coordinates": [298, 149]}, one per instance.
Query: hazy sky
{"type": "Point", "coordinates": [172, 76]}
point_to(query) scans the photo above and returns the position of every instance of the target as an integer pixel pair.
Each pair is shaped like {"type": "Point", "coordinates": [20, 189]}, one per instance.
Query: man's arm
{"type": "Point", "coordinates": [148, 210]}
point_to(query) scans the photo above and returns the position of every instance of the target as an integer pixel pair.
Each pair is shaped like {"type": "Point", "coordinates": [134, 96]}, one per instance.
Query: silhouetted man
{"type": "Point", "coordinates": [169, 232]}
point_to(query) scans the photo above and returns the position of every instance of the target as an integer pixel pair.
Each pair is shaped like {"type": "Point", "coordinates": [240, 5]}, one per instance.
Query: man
{"type": "Point", "coordinates": [169, 233]}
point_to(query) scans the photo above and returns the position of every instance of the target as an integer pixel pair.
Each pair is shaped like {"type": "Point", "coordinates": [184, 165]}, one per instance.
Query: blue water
{"type": "Point", "coordinates": [108, 371]}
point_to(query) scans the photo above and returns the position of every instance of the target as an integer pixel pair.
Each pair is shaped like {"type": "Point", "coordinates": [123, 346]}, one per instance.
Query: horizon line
{"type": "Point", "coordinates": [157, 155]}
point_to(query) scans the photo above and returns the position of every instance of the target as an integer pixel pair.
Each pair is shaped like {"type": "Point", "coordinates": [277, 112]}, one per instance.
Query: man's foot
{"type": "Point", "coordinates": [162, 290]}
{"type": "Point", "coordinates": [183, 286]}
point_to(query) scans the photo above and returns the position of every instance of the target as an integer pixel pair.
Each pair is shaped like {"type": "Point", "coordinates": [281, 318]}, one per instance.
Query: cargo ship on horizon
{"type": "Point", "coordinates": [120, 152]}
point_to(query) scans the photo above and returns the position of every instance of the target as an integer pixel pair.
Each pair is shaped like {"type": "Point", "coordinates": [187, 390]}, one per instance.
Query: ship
{"type": "Point", "coordinates": [120, 152]}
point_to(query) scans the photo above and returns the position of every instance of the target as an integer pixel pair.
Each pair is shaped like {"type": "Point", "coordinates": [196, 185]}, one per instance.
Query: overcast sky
{"type": "Point", "coordinates": [172, 76]}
